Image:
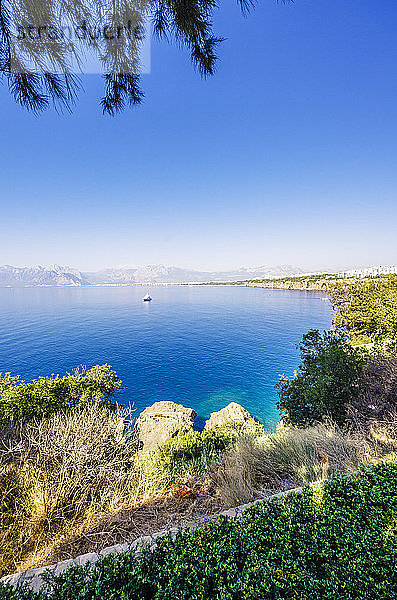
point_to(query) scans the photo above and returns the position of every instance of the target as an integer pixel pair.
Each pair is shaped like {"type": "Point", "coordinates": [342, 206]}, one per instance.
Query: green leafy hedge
{"type": "Point", "coordinates": [21, 401]}
{"type": "Point", "coordinates": [336, 542]}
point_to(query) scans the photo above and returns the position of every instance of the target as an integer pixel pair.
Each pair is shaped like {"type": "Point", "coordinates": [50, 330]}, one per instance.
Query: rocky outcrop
{"type": "Point", "coordinates": [160, 422]}
{"type": "Point", "coordinates": [231, 412]}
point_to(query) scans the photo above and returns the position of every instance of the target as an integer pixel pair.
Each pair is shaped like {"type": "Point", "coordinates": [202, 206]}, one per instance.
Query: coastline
{"type": "Point", "coordinates": [290, 284]}
{"type": "Point", "coordinates": [307, 286]}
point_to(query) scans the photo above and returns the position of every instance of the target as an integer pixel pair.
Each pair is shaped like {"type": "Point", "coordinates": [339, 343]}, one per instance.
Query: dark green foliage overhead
{"type": "Point", "coordinates": [189, 23]}
{"type": "Point", "coordinates": [326, 382]}
{"type": "Point", "coordinates": [21, 401]}
{"type": "Point", "coordinates": [337, 542]}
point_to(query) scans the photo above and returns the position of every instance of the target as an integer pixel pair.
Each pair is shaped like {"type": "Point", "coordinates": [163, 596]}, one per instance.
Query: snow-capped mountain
{"type": "Point", "coordinates": [53, 275]}
{"type": "Point", "coordinates": [165, 274]}
{"type": "Point", "coordinates": [56, 275]}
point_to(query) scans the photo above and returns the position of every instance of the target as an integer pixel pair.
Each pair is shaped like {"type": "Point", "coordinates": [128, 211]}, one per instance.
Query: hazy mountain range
{"type": "Point", "coordinates": [56, 275]}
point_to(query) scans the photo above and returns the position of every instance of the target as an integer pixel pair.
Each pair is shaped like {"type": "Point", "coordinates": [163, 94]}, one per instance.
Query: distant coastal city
{"type": "Point", "coordinates": [368, 272]}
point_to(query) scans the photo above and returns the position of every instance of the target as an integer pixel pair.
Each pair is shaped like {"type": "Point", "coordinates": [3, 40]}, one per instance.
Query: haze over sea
{"type": "Point", "coordinates": [201, 346]}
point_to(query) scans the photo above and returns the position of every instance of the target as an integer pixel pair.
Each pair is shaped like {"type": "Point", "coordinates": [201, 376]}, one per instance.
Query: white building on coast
{"type": "Point", "coordinates": [368, 272]}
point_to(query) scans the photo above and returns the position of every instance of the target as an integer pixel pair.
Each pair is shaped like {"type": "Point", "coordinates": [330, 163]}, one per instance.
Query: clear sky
{"type": "Point", "coordinates": [287, 155]}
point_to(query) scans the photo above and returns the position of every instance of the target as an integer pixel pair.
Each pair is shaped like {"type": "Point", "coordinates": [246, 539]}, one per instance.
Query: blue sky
{"type": "Point", "coordinates": [287, 155]}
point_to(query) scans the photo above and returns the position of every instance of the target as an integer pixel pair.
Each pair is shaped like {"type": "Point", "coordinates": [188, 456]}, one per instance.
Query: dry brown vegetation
{"type": "Point", "coordinates": [59, 476]}
{"type": "Point", "coordinates": [377, 400]}
{"type": "Point", "coordinates": [72, 483]}
{"type": "Point", "coordinates": [289, 458]}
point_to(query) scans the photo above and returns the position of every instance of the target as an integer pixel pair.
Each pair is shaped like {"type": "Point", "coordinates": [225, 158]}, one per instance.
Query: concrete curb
{"type": "Point", "coordinates": [33, 578]}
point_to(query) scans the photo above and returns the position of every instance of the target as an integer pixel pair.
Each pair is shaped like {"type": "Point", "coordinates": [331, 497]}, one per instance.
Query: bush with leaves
{"type": "Point", "coordinates": [326, 383]}
{"type": "Point", "coordinates": [367, 310]}
{"type": "Point", "coordinates": [336, 541]}
{"type": "Point", "coordinates": [21, 401]}
{"type": "Point", "coordinates": [192, 453]}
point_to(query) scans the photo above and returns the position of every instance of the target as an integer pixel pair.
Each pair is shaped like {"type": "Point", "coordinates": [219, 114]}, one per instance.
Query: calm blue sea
{"type": "Point", "coordinates": [200, 346]}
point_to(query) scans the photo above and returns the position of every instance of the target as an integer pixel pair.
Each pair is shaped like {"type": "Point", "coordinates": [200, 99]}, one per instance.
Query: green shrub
{"type": "Point", "coordinates": [22, 593]}
{"type": "Point", "coordinates": [367, 310]}
{"type": "Point", "coordinates": [21, 401]}
{"type": "Point", "coordinates": [190, 453]}
{"type": "Point", "coordinates": [326, 382]}
{"type": "Point", "coordinates": [336, 542]}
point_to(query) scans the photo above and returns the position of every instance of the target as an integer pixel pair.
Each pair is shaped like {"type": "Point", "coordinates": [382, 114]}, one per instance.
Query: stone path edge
{"type": "Point", "coordinates": [33, 578]}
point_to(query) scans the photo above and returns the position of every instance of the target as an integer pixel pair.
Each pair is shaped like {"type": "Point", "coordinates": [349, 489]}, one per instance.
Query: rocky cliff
{"type": "Point", "coordinates": [321, 285]}
{"type": "Point", "coordinates": [163, 420]}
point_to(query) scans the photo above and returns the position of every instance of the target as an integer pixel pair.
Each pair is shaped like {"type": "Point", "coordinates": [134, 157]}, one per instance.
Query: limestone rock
{"type": "Point", "coordinates": [231, 412]}
{"type": "Point", "coordinates": [162, 421]}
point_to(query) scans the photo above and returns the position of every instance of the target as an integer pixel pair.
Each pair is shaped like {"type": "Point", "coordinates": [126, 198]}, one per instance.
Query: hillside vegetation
{"type": "Point", "coordinates": [72, 478]}
{"type": "Point", "coordinates": [297, 278]}
{"type": "Point", "coordinates": [21, 401]}
{"type": "Point", "coordinates": [336, 541]}
{"type": "Point", "coordinates": [367, 310]}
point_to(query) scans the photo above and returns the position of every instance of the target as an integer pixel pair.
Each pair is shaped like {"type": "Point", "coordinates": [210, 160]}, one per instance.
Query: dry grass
{"type": "Point", "coordinates": [288, 458]}
{"type": "Point", "coordinates": [61, 475]}
{"type": "Point", "coordinates": [72, 483]}
{"type": "Point", "coordinates": [154, 515]}
{"type": "Point", "coordinates": [384, 432]}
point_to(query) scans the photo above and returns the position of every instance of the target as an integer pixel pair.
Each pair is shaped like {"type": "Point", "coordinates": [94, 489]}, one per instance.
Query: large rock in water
{"type": "Point", "coordinates": [231, 412]}
{"type": "Point", "coordinates": [162, 421]}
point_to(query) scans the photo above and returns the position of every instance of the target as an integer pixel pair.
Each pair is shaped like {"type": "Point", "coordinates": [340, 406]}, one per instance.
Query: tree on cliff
{"type": "Point", "coordinates": [23, 45]}
{"type": "Point", "coordinates": [326, 382]}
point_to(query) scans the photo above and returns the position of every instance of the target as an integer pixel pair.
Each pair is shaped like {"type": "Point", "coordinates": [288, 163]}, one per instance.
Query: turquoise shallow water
{"type": "Point", "coordinates": [200, 346]}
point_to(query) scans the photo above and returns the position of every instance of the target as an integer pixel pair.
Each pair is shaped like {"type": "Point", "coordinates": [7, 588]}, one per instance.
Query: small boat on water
{"type": "Point", "coordinates": [146, 297]}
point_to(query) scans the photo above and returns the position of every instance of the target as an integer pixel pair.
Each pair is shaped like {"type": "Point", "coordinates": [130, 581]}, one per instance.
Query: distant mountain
{"type": "Point", "coordinates": [163, 274]}
{"type": "Point", "coordinates": [56, 275]}
{"type": "Point", "coordinates": [53, 275]}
